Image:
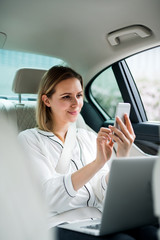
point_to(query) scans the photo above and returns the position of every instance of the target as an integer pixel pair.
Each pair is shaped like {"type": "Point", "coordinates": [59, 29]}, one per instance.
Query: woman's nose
{"type": "Point", "coordinates": [74, 101]}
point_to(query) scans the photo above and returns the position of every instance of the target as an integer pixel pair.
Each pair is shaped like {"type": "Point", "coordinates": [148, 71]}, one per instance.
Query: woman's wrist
{"type": "Point", "coordinates": [123, 154]}
{"type": "Point", "coordinates": [98, 164]}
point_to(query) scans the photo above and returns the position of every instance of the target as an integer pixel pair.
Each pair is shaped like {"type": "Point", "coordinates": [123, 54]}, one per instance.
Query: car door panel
{"type": "Point", "coordinates": [147, 134]}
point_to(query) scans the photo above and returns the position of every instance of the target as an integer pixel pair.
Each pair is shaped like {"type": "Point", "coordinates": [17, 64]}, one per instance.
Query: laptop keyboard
{"type": "Point", "coordinates": [93, 226]}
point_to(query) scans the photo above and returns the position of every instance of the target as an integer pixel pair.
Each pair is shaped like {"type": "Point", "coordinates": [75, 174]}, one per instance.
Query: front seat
{"type": "Point", "coordinates": [22, 211]}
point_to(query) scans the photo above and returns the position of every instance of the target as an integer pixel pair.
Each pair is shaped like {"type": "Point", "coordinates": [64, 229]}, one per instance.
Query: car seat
{"type": "Point", "coordinates": [23, 210]}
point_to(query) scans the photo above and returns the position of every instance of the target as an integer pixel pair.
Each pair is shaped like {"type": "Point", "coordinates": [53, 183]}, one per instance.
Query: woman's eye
{"type": "Point", "coordinates": [66, 97]}
{"type": "Point", "coordinates": [79, 95]}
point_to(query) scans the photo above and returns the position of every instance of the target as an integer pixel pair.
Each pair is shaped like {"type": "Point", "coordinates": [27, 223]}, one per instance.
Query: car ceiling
{"type": "Point", "coordinates": [76, 31]}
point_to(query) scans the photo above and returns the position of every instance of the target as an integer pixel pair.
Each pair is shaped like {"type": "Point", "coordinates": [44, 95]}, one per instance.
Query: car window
{"type": "Point", "coordinates": [11, 61]}
{"type": "Point", "coordinates": [105, 91]}
{"type": "Point", "coordinates": [145, 69]}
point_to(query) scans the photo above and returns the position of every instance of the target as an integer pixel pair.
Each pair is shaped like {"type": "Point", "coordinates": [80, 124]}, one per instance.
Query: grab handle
{"type": "Point", "coordinates": [141, 31]}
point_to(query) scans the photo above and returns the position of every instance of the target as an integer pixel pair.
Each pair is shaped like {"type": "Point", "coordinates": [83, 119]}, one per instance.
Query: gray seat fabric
{"type": "Point", "coordinates": [7, 109]}
{"type": "Point", "coordinates": [21, 115]}
{"type": "Point", "coordinates": [25, 115]}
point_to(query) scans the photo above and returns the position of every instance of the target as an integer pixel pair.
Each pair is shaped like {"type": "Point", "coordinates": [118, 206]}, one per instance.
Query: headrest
{"type": "Point", "coordinates": [27, 80]}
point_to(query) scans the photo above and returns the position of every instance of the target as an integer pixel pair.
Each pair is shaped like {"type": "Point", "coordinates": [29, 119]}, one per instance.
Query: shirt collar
{"type": "Point", "coordinates": [51, 135]}
{"type": "Point", "coordinates": [45, 133]}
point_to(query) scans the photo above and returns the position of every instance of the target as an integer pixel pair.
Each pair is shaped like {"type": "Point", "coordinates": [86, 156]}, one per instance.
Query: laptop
{"type": "Point", "coordinates": [128, 202]}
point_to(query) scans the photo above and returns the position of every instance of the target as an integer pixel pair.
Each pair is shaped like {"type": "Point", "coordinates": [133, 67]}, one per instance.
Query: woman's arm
{"type": "Point", "coordinates": [104, 152]}
{"type": "Point", "coordinates": [105, 141]}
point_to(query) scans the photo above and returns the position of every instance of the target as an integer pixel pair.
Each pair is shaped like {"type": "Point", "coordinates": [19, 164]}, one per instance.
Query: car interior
{"type": "Point", "coordinates": [114, 45]}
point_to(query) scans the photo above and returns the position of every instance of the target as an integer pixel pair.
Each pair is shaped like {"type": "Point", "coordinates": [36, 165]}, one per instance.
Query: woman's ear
{"type": "Point", "coordinates": [46, 101]}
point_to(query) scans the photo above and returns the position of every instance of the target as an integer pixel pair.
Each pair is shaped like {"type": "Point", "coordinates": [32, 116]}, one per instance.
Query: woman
{"type": "Point", "coordinates": [70, 163]}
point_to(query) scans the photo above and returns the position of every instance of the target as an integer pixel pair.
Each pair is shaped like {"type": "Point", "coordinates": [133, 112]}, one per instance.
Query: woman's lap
{"type": "Point", "coordinates": [146, 233]}
{"type": "Point", "coordinates": [143, 233]}
{"type": "Point", "coordinates": [63, 234]}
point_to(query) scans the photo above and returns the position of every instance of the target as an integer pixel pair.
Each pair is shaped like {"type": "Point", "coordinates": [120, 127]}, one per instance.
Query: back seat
{"type": "Point", "coordinates": [22, 113]}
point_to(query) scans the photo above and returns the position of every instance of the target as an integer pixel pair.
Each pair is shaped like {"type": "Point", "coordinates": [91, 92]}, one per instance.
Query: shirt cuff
{"type": "Point", "coordinates": [69, 186]}
{"type": "Point", "coordinates": [103, 182]}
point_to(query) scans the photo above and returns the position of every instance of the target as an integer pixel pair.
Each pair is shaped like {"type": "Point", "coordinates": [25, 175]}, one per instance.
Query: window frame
{"type": "Point", "coordinates": [147, 133]}
{"type": "Point", "coordinates": [128, 91]}
{"type": "Point", "coordinates": [93, 102]}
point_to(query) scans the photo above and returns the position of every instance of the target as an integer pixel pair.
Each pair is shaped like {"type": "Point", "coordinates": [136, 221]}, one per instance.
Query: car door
{"type": "Point", "coordinates": [116, 84]}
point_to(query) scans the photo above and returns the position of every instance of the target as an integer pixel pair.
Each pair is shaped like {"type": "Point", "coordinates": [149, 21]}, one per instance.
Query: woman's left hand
{"type": "Point", "coordinates": [124, 137]}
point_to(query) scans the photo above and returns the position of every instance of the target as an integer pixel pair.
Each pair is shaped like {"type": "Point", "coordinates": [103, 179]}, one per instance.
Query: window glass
{"type": "Point", "coordinates": [145, 69]}
{"type": "Point", "coordinates": [11, 61]}
{"type": "Point", "coordinates": [106, 92]}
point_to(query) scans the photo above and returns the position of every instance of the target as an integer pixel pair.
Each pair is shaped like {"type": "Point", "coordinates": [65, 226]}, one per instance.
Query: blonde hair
{"type": "Point", "coordinates": [48, 82]}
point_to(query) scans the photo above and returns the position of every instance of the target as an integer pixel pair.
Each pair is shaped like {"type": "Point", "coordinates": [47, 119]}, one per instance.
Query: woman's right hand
{"type": "Point", "coordinates": [104, 152]}
{"type": "Point", "coordinates": [104, 146]}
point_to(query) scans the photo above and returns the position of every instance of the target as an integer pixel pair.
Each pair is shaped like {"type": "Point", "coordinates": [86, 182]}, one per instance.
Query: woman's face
{"type": "Point", "coordinates": [66, 102]}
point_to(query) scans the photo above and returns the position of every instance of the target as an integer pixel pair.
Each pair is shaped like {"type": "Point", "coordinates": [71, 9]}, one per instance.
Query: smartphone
{"type": "Point", "coordinates": [121, 109]}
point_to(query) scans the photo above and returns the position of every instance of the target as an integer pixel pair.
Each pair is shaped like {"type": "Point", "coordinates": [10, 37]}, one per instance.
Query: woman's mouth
{"type": "Point", "coordinates": [73, 113]}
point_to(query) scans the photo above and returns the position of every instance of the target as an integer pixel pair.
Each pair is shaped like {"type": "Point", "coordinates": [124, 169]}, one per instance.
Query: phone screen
{"type": "Point", "coordinates": [122, 108]}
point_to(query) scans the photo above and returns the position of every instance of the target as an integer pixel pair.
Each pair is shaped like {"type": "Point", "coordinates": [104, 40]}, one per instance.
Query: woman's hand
{"type": "Point", "coordinates": [124, 137]}
{"type": "Point", "coordinates": [104, 146]}
{"type": "Point", "coordinates": [104, 152]}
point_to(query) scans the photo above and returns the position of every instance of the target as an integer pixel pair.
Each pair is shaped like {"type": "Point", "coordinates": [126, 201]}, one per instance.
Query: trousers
{"type": "Point", "coordinates": [142, 233]}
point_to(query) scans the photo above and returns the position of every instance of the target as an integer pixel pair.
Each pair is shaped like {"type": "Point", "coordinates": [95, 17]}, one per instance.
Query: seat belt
{"type": "Point", "coordinates": [65, 158]}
